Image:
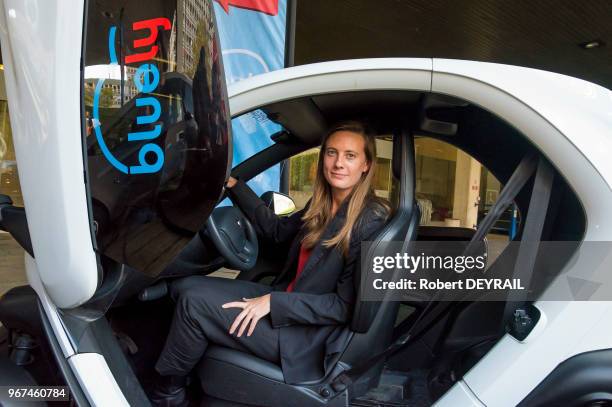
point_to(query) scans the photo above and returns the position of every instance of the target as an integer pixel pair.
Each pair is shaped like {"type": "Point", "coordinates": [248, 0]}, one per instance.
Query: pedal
{"type": "Point", "coordinates": [127, 343]}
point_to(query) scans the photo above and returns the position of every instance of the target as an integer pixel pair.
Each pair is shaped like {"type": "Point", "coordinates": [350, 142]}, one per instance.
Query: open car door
{"type": "Point", "coordinates": [130, 144]}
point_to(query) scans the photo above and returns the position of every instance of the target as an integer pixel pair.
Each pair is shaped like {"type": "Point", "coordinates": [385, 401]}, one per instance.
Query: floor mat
{"type": "Point", "coordinates": [145, 324]}
{"type": "Point", "coordinates": [405, 389]}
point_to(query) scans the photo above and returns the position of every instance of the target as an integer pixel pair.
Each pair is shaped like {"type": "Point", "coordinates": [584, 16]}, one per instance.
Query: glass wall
{"type": "Point", "coordinates": [9, 178]}
{"type": "Point", "coordinates": [302, 173]}
{"type": "Point", "coordinates": [303, 170]}
{"type": "Point", "coordinates": [12, 270]}
{"type": "Point", "coordinates": [454, 189]}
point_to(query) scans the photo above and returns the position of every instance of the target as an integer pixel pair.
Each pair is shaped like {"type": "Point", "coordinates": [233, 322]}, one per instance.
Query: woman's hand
{"type": "Point", "coordinates": [253, 309]}
{"type": "Point", "coordinates": [231, 181]}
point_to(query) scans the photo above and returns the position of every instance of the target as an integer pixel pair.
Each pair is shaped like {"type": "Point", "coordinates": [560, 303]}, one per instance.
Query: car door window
{"type": "Point", "coordinates": [157, 127]}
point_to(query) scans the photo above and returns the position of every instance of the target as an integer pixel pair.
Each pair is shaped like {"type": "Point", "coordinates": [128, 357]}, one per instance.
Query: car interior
{"type": "Point", "coordinates": [129, 318]}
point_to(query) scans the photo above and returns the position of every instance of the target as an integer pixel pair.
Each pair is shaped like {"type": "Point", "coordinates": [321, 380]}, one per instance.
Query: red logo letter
{"type": "Point", "coordinates": [264, 6]}
{"type": "Point", "coordinates": [151, 25]}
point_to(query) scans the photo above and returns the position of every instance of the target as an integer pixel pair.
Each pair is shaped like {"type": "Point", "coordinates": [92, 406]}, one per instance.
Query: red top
{"type": "Point", "coordinates": [304, 255]}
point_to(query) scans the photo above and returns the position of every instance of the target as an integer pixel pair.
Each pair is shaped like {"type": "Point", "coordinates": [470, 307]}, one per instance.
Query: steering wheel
{"type": "Point", "coordinates": [233, 236]}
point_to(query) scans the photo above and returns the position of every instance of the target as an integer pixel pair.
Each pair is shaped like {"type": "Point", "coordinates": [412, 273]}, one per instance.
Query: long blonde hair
{"type": "Point", "coordinates": [319, 213]}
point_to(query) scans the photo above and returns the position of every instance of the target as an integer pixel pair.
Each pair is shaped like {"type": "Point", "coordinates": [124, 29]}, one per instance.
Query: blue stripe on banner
{"type": "Point", "coordinates": [252, 43]}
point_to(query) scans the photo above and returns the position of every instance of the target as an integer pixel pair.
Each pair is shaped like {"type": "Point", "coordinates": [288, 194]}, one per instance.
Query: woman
{"type": "Point", "coordinates": [302, 320]}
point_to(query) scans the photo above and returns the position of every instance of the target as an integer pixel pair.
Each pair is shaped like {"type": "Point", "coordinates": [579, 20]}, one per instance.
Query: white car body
{"type": "Point", "coordinates": [568, 119]}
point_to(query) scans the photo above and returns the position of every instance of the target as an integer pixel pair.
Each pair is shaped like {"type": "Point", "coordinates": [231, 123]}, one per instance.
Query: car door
{"type": "Point", "coordinates": [147, 60]}
{"type": "Point", "coordinates": [111, 164]}
{"type": "Point", "coordinates": [121, 126]}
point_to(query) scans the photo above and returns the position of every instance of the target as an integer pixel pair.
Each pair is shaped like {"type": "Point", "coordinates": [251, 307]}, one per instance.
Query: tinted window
{"type": "Point", "coordinates": [156, 125]}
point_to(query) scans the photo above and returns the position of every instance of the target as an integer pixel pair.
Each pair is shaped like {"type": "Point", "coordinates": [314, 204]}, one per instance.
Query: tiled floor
{"type": "Point", "coordinates": [12, 269]}
{"type": "Point", "coordinates": [225, 273]}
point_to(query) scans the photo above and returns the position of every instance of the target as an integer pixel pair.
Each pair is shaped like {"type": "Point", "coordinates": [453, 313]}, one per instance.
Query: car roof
{"type": "Point", "coordinates": [579, 110]}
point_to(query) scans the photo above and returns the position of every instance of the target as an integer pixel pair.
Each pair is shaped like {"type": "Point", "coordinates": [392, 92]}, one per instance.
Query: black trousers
{"type": "Point", "coordinates": [200, 320]}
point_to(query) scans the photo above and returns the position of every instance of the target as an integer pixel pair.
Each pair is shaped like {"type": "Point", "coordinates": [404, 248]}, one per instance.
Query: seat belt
{"type": "Point", "coordinates": [517, 320]}
{"type": "Point", "coordinates": [517, 180]}
{"type": "Point", "coordinates": [433, 310]}
{"type": "Point", "coordinates": [515, 184]}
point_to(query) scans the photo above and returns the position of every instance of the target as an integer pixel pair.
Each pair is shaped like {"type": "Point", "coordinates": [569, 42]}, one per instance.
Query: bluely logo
{"type": "Point", "coordinates": [146, 80]}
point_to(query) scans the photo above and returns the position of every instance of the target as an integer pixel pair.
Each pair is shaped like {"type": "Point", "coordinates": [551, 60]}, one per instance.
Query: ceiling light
{"type": "Point", "coordinates": [592, 44]}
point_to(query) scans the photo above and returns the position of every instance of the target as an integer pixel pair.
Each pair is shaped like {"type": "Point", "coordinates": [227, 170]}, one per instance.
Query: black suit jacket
{"type": "Point", "coordinates": [313, 319]}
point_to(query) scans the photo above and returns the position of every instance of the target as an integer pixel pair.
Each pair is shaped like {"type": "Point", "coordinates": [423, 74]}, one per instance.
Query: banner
{"type": "Point", "coordinates": [252, 34]}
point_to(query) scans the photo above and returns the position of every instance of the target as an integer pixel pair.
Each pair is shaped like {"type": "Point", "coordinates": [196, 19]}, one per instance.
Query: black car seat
{"type": "Point", "coordinates": [240, 377]}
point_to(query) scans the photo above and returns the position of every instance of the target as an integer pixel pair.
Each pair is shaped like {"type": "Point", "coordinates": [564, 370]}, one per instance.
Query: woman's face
{"type": "Point", "coordinates": [344, 160]}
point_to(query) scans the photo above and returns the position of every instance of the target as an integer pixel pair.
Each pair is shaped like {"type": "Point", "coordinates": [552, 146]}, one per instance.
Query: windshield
{"type": "Point", "coordinates": [156, 123]}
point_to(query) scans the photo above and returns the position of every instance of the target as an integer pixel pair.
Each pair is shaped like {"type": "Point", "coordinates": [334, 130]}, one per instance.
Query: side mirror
{"type": "Point", "coordinates": [281, 204]}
